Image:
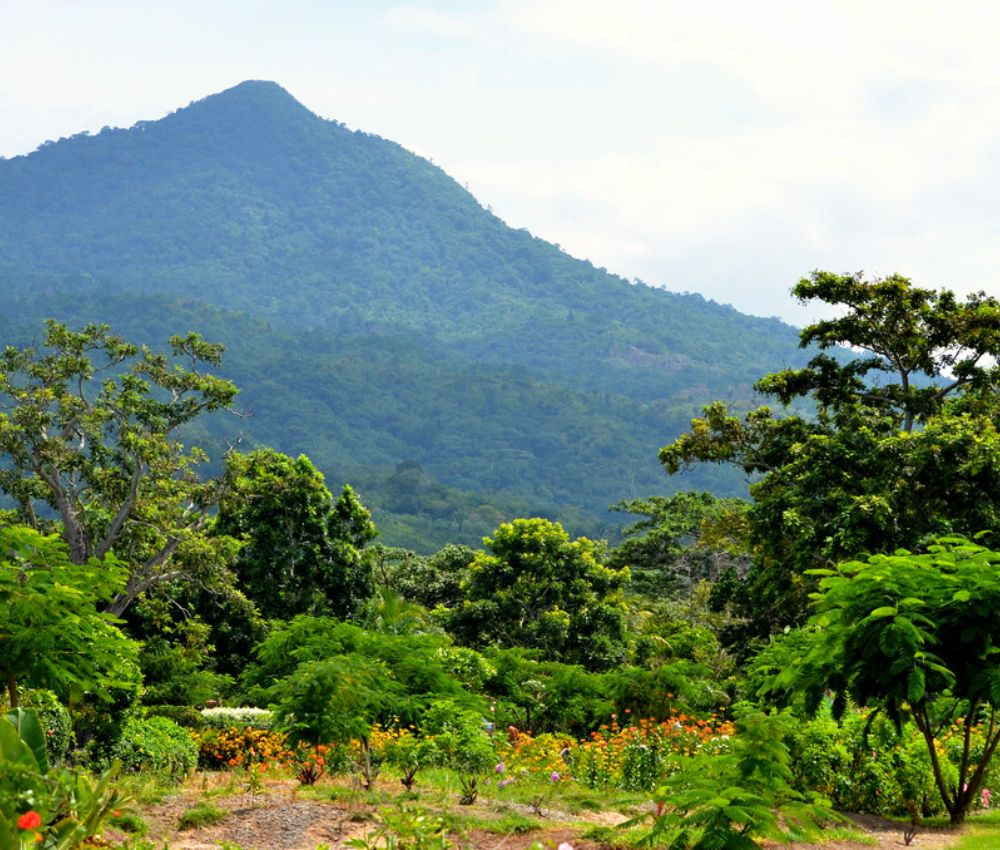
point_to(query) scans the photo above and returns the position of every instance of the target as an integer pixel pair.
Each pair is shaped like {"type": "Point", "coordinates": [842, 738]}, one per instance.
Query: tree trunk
{"type": "Point", "coordinates": [12, 690]}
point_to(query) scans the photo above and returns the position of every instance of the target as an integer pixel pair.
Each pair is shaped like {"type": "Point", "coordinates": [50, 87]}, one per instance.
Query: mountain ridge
{"type": "Point", "coordinates": [336, 238]}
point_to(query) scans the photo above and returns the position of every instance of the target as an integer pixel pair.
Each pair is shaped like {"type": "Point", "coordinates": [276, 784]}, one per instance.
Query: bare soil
{"type": "Point", "coordinates": [282, 820]}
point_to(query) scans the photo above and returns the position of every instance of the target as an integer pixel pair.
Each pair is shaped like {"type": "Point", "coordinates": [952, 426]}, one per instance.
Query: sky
{"type": "Point", "coordinates": [727, 148]}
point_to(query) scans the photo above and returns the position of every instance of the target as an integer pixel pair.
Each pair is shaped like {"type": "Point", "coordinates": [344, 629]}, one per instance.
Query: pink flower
{"type": "Point", "coordinates": [984, 797]}
{"type": "Point", "coordinates": [500, 768]}
{"type": "Point", "coordinates": [565, 846]}
{"type": "Point", "coordinates": [555, 777]}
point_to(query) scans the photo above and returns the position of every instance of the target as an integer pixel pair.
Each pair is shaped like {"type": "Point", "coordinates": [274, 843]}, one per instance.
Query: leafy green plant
{"type": "Point", "coordinates": [156, 744]}
{"type": "Point", "coordinates": [728, 801]}
{"type": "Point", "coordinates": [58, 806]}
{"type": "Point", "coordinates": [915, 636]}
{"type": "Point", "coordinates": [406, 828]}
{"type": "Point", "coordinates": [460, 736]}
{"type": "Point", "coordinates": [201, 814]}
{"type": "Point", "coordinates": [55, 720]}
{"type": "Point", "coordinates": [51, 628]}
{"type": "Point", "coordinates": [409, 753]}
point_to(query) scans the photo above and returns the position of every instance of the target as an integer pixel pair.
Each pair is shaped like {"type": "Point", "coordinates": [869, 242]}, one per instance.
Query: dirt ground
{"type": "Point", "coordinates": [280, 820]}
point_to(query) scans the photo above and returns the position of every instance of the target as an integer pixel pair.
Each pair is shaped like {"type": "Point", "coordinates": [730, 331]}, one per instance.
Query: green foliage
{"type": "Point", "coordinates": [866, 764]}
{"type": "Point", "coordinates": [915, 635]}
{"type": "Point", "coordinates": [68, 806]}
{"type": "Point", "coordinates": [52, 633]}
{"type": "Point", "coordinates": [538, 589]}
{"type": "Point", "coordinates": [682, 540]}
{"type": "Point", "coordinates": [460, 736]}
{"type": "Point", "coordinates": [728, 801]}
{"type": "Point", "coordinates": [203, 813]}
{"type": "Point", "coordinates": [406, 828]}
{"type": "Point", "coordinates": [105, 457]}
{"type": "Point", "coordinates": [858, 476]}
{"type": "Point", "coordinates": [430, 581]}
{"type": "Point", "coordinates": [156, 744]}
{"type": "Point", "coordinates": [409, 753]}
{"type": "Point", "coordinates": [176, 658]}
{"type": "Point", "coordinates": [55, 721]}
{"type": "Point", "coordinates": [331, 681]}
{"type": "Point", "coordinates": [304, 550]}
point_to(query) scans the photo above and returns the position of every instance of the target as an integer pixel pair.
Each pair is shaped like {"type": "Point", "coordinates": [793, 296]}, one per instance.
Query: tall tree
{"type": "Point", "coordinates": [88, 427]}
{"type": "Point", "coordinates": [304, 551]}
{"type": "Point", "coordinates": [903, 444]}
{"type": "Point", "coordinates": [539, 589]}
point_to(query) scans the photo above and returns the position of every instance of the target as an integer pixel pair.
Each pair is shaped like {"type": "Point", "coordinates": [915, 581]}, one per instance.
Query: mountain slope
{"type": "Point", "coordinates": [375, 311]}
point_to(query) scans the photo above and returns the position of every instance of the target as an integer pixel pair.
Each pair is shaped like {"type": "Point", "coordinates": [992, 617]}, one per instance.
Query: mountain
{"type": "Point", "coordinates": [378, 318]}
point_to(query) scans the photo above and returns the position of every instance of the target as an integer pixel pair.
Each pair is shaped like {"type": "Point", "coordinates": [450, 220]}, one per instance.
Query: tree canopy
{"type": "Point", "coordinates": [537, 588]}
{"type": "Point", "coordinates": [88, 427]}
{"type": "Point", "coordinates": [877, 464]}
{"type": "Point", "coordinates": [304, 552]}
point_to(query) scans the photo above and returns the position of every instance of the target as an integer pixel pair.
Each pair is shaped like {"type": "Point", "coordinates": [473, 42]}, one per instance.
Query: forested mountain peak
{"type": "Point", "coordinates": [377, 312]}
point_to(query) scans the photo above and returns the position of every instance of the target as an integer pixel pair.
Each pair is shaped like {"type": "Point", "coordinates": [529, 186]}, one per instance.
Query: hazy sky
{"type": "Point", "coordinates": [726, 148]}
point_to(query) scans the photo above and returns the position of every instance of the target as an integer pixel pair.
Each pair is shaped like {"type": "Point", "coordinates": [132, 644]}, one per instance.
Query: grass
{"type": "Point", "coordinates": [508, 823]}
{"type": "Point", "coordinates": [131, 823]}
{"type": "Point", "coordinates": [201, 814]}
{"type": "Point", "coordinates": [981, 832]}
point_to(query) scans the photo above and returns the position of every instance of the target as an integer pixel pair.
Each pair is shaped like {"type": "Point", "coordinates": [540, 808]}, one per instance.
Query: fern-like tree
{"type": "Point", "coordinates": [915, 636]}
{"type": "Point", "coordinates": [52, 633]}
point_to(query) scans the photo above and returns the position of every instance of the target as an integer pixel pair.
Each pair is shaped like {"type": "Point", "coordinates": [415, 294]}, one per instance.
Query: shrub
{"type": "Point", "coordinates": [222, 748]}
{"type": "Point", "coordinates": [55, 721]}
{"type": "Point", "coordinates": [182, 715]}
{"type": "Point", "coordinates": [156, 744]}
{"type": "Point", "coordinates": [232, 718]}
{"type": "Point", "coordinates": [864, 764]}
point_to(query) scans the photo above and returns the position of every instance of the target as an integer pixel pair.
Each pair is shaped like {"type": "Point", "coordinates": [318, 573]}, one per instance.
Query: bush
{"type": "Point", "coordinates": [182, 715]}
{"type": "Point", "coordinates": [233, 718]}
{"type": "Point", "coordinates": [222, 748]}
{"type": "Point", "coordinates": [156, 744]}
{"type": "Point", "coordinates": [868, 767]}
{"type": "Point", "coordinates": [55, 721]}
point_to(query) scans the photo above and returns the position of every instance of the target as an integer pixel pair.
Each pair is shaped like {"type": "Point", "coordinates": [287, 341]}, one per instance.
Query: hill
{"type": "Point", "coordinates": [378, 317]}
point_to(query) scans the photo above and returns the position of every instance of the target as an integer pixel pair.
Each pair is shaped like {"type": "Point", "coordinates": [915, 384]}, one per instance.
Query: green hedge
{"type": "Point", "coordinates": [156, 744]}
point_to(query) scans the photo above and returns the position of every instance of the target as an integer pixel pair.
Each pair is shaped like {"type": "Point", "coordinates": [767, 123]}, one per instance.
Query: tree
{"type": "Point", "coordinates": [539, 589]}
{"type": "Point", "coordinates": [304, 553]}
{"type": "Point", "coordinates": [682, 540]}
{"type": "Point", "coordinates": [51, 632]}
{"type": "Point", "coordinates": [902, 445]}
{"type": "Point", "coordinates": [915, 636]}
{"type": "Point", "coordinates": [102, 458]}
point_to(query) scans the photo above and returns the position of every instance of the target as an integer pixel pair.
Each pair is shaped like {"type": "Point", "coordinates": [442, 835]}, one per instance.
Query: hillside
{"type": "Point", "coordinates": [378, 318]}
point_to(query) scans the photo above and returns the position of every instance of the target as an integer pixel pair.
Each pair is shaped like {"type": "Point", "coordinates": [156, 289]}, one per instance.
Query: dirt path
{"type": "Point", "coordinates": [280, 820]}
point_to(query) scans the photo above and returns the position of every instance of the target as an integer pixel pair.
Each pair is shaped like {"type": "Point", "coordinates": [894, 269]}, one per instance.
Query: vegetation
{"type": "Point", "coordinates": [739, 668]}
{"type": "Point", "coordinates": [339, 268]}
